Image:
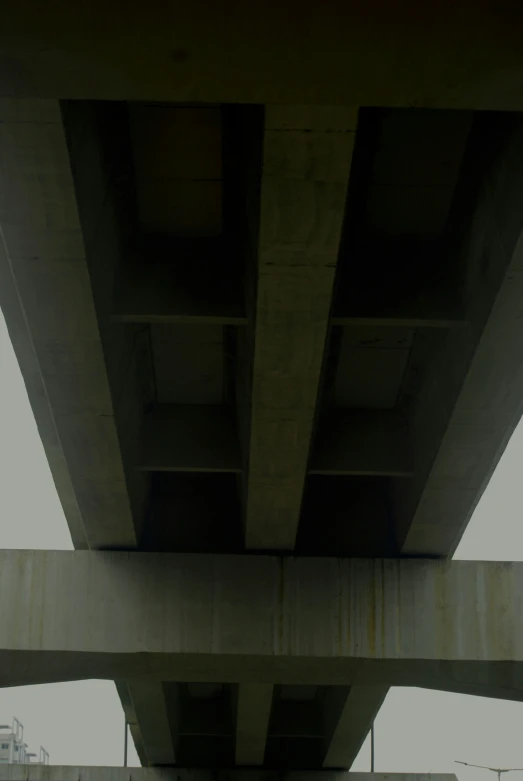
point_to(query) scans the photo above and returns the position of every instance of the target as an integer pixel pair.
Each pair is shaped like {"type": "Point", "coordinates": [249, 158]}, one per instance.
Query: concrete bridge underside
{"type": "Point", "coordinates": [264, 283]}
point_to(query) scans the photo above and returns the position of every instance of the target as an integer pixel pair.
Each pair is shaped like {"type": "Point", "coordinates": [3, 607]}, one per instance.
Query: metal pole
{"type": "Point", "coordinates": [125, 744]}
{"type": "Point", "coordinates": [372, 748]}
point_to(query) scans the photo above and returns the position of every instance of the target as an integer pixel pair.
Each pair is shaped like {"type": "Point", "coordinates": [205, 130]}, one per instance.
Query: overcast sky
{"type": "Point", "coordinates": [83, 724]}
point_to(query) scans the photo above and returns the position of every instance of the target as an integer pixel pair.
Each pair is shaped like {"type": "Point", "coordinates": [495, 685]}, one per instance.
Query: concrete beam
{"type": "Point", "coordinates": [47, 301]}
{"type": "Point", "coordinates": [428, 307]}
{"type": "Point", "coordinates": [72, 773]}
{"type": "Point", "coordinates": [189, 438]}
{"type": "Point", "coordinates": [348, 716]}
{"type": "Point", "coordinates": [174, 617]}
{"type": "Point", "coordinates": [469, 401]}
{"type": "Point", "coordinates": [132, 720]}
{"type": "Point", "coordinates": [376, 57]}
{"type": "Point", "coordinates": [307, 156]}
{"type": "Point", "coordinates": [199, 438]}
{"type": "Point", "coordinates": [423, 298]}
{"type": "Point", "coordinates": [252, 722]}
{"type": "Point", "coordinates": [360, 442]}
{"type": "Point", "coordinates": [152, 722]}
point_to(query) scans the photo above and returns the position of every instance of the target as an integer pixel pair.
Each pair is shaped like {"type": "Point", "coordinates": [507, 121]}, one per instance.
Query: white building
{"type": "Point", "coordinates": [13, 749]}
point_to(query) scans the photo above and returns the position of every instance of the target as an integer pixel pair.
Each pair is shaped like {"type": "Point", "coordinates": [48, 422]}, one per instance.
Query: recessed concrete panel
{"type": "Point", "coordinates": [419, 147]}
{"type": "Point", "coordinates": [407, 211]}
{"type": "Point", "coordinates": [345, 516]}
{"type": "Point", "coordinates": [369, 376]}
{"type": "Point", "coordinates": [176, 141]}
{"type": "Point", "coordinates": [411, 174]}
{"type": "Point", "coordinates": [189, 364]}
{"type": "Point", "coordinates": [178, 165]}
{"type": "Point", "coordinates": [298, 693]}
{"type": "Point", "coordinates": [194, 512]}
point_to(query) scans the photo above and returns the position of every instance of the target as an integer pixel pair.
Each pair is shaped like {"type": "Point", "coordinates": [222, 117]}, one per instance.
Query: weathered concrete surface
{"type": "Point", "coordinates": [72, 773]}
{"type": "Point", "coordinates": [470, 401]}
{"type": "Point", "coordinates": [40, 232]}
{"type": "Point", "coordinates": [421, 58]}
{"type": "Point", "coordinates": [47, 301]}
{"type": "Point", "coordinates": [260, 619]}
{"type": "Point", "coordinates": [307, 155]}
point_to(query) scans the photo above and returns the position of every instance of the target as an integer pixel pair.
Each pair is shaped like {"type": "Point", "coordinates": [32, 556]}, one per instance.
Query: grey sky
{"type": "Point", "coordinates": [82, 723]}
